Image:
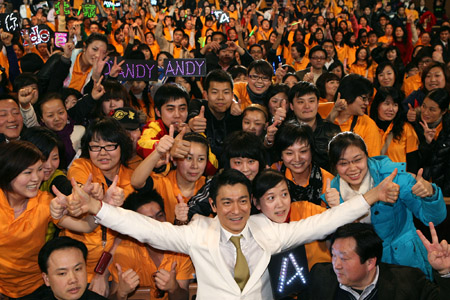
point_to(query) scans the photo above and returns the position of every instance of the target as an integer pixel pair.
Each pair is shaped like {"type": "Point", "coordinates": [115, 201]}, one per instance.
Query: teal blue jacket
{"type": "Point", "coordinates": [394, 222]}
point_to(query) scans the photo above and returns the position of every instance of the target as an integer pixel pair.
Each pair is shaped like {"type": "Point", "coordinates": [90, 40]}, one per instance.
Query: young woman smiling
{"type": "Point", "coordinates": [357, 174]}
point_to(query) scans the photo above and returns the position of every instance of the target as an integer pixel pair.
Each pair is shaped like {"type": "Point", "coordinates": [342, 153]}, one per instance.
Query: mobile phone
{"type": "Point", "coordinates": [103, 263]}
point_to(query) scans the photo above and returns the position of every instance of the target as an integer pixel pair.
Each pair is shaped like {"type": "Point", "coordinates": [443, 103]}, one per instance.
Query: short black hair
{"type": "Point", "coordinates": [237, 70]}
{"type": "Point", "coordinates": [291, 132]}
{"type": "Point", "coordinates": [218, 75]}
{"type": "Point", "coordinates": [243, 144]}
{"type": "Point", "coordinates": [139, 198]}
{"type": "Point", "coordinates": [23, 80]}
{"type": "Point", "coordinates": [301, 49]}
{"type": "Point", "coordinates": [368, 243]}
{"type": "Point", "coordinates": [108, 129]}
{"type": "Point", "coordinates": [169, 92]}
{"type": "Point", "coordinates": [316, 49]}
{"type": "Point", "coordinates": [59, 243]}
{"type": "Point", "coordinates": [302, 88]}
{"type": "Point", "coordinates": [16, 156]}
{"type": "Point", "coordinates": [275, 89]}
{"type": "Point", "coordinates": [261, 67]}
{"type": "Point", "coordinates": [353, 86]}
{"type": "Point", "coordinates": [46, 140]}
{"type": "Point", "coordinates": [228, 177]}
{"type": "Point", "coordinates": [340, 142]}
{"type": "Point", "coordinates": [264, 181]}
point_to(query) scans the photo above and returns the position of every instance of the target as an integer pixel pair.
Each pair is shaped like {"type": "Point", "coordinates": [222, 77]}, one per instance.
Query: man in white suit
{"type": "Point", "coordinates": [206, 240]}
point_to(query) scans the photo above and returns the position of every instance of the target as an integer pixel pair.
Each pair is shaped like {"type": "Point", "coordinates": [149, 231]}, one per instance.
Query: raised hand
{"type": "Point", "coordinates": [280, 112]}
{"type": "Point", "coordinates": [309, 77]}
{"type": "Point", "coordinates": [58, 205]}
{"type": "Point", "coordinates": [180, 148]}
{"type": "Point", "coordinates": [78, 202]}
{"type": "Point", "coordinates": [332, 195]}
{"type": "Point", "coordinates": [236, 107]}
{"type": "Point", "coordinates": [411, 115]}
{"type": "Point", "coordinates": [27, 96]}
{"type": "Point", "coordinates": [99, 64]}
{"type": "Point", "coordinates": [165, 280]}
{"type": "Point", "coordinates": [181, 210]}
{"type": "Point", "coordinates": [128, 281]}
{"type": "Point", "coordinates": [271, 131]}
{"type": "Point", "coordinates": [116, 68]}
{"type": "Point", "coordinates": [388, 190]}
{"type": "Point", "coordinates": [428, 132]}
{"type": "Point", "coordinates": [94, 189]}
{"type": "Point", "coordinates": [422, 188]}
{"type": "Point", "coordinates": [280, 72]}
{"type": "Point", "coordinates": [115, 195]}
{"type": "Point", "coordinates": [198, 123]}
{"type": "Point", "coordinates": [166, 142]}
{"type": "Point", "coordinates": [438, 253]}
{"type": "Point", "coordinates": [98, 90]}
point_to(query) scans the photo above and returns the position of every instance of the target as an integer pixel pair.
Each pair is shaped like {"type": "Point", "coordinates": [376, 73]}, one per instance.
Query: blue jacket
{"type": "Point", "coordinates": [394, 222]}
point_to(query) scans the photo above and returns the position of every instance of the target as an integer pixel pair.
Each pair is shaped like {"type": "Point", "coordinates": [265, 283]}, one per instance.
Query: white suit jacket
{"type": "Point", "coordinates": [200, 240]}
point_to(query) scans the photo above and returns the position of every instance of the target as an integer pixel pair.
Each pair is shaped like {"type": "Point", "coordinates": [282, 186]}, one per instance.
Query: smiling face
{"type": "Point", "coordinates": [275, 203]}
{"type": "Point", "coordinates": [359, 106]}
{"type": "Point", "coordinates": [66, 274]}
{"type": "Point", "coordinates": [387, 77]}
{"type": "Point", "coordinates": [331, 87]}
{"type": "Point", "coordinates": [174, 112]}
{"type": "Point", "coordinates": [93, 51]}
{"type": "Point", "coordinates": [54, 114]}
{"type": "Point", "coordinates": [51, 164]}
{"type": "Point", "coordinates": [220, 97]}
{"type": "Point", "coordinates": [297, 158]}
{"type": "Point", "coordinates": [191, 168]}
{"type": "Point", "coordinates": [26, 184]}
{"type": "Point", "coordinates": [352, 166]}
{"type": "Point", "coordinates": [305, 107]}
{"type": "Point", "coordinates": [11, 121]}
{"type": "Point", "coordinates": [254, 122]}
{"type": "Point", "coordinates": [232, 207]}
{"type": "Point", "coordinates": [387, 110]}
{"type": "Point", "coordinates": [106, 161]}
{"type": "Point", "coordinates": [276, 102]}
{"type": "Point", "coordinates": [258, 83]}
{"type": "Point", "coordinates": [247, 166]}
{"type": "Point", "coordinates": [430, 111]}
{"type": "Point", "coordinates": [435, 79]}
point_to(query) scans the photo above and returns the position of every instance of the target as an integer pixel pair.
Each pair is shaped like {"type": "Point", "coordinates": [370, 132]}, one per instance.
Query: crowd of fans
{"type": "Point", "coordinates": [331, 95]}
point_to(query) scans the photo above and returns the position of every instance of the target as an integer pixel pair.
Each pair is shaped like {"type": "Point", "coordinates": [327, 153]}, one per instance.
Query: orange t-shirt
{"type": "Point", "coordinates": [317, 251]}
{"type": "Point", "coordinates": [409, 142]}
{"type": "Point", "coordinates": [130, 254]}
{"type": "Point", "coordinates": [20, 242]}
{"type": "Point", "coordinates": [80, 170]}
{"type": "Point", "coordinates": [78, 76]}
{"type": "Point", "coordinates": [240, 90]}
{"type": "Point", "coordinates": [167, 187]}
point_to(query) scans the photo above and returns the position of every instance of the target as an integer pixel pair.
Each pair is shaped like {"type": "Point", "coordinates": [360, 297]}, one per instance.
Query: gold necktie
{"type": "Point", "coordinates": [241, 271]}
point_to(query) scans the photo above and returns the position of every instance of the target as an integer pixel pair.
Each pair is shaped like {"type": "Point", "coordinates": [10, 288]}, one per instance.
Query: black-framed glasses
{"type": "Point", "coordinates": [257, 77]}
{"type": "Point", "coordinates": [365, 98]}
{"type": "Point", "coordinates": [110, 147]}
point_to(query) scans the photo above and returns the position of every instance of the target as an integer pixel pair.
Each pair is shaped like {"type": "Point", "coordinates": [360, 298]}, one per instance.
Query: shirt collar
{"type": "Point", "coordinates": [225, 235]}
{"type": "Point", "coordinates": [367, 291]}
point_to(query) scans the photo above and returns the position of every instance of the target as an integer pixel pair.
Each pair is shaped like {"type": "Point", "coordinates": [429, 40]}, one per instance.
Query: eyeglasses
{"type": "Point", "coordinates": [111, 147]}
{"type": "Point", "coordinates": [343, 163]}
{"type": "Point", "coordinates": [257, 77]}
{"type": "Point", "coordinates": [318, 57]}
{"type": "Point", "coordinates": [365, 98]}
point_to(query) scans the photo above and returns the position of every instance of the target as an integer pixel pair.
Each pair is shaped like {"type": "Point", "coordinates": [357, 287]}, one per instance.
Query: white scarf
{"type": "Point", "coordinates": [347, 192]}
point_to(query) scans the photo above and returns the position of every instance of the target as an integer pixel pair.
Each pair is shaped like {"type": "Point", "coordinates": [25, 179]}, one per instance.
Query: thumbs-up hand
{"type": "Point", "coordinates": [309, 77]}
{"type": "Point", "coordinates": [280, 112]}
{"type": "Point", "coordinates": [79, 201]}
{"type": "Point", "coordinates": [115, 195]}
{"type": "Point", "coordinates": [181, 210]}
{"type": "Point", "coordinates": [411, 115]}
{"type": "Point", "coordinates": [340, 104]}
{"type": "Point", "coordinates": [58, 205]}
{"type": "Point", "coordinates": [332, 195]}
{"type": "Point", "coordinates": [388, 190]}
{"type": "Point", "coordinates": [236, 107]}
{"type": "Point", "coordinates": [166, 280]}
{"type": "Point", "coordinates": [271, 131]}
{"type": "Point", "coordinates": [94, 189]}
{"type": "Point", "coordinates": [128, 281]}
{"type": "Point", "coordinates": [198, 123]}
{"type": "Point", "coordinates": [166, 142]}
{"type": "Point", "coordinates": [180, 148]}
{"type": "Point", "coordinates": [422, 188]}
